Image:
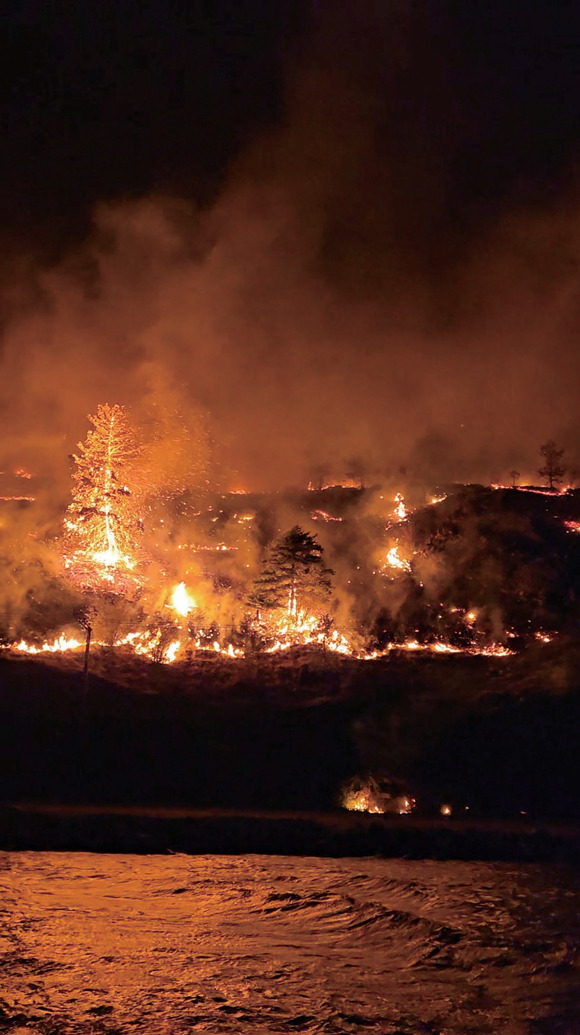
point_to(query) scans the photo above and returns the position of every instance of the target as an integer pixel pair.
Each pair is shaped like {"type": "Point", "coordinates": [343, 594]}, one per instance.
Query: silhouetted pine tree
{"type": "Point", "coordinates": [294, 575]}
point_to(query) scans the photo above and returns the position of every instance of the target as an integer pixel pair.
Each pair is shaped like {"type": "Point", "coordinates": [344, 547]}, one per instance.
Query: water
{"type": "Point", "coordinates": [169, 944]}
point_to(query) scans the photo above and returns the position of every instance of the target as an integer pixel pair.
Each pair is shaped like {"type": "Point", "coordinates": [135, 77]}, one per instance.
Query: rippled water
{"type": "Point", "coordinates": [163, 944]}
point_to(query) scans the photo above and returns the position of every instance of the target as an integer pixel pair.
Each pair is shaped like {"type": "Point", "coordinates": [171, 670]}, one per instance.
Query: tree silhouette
{"type": "Point", "coordinates": [552, 471]}
{"type": "Point", "coordinates": [514, 475]}
{"type": "Point", "coordinates": [102, 520]}
{"type": "Point", "coordinates": [294, 575]}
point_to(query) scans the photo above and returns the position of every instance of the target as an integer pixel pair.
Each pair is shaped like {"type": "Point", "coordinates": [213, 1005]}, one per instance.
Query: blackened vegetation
{"type": "Point", "coordinates": [505, 555]}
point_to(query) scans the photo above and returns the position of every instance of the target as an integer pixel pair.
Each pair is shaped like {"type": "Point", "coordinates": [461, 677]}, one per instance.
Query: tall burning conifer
{"type": "Point", "coordinates": [103, 519]}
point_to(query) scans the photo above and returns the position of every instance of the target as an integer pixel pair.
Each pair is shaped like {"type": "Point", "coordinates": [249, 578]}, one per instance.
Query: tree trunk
{"type": "Point", "coordinates": [86, 668]}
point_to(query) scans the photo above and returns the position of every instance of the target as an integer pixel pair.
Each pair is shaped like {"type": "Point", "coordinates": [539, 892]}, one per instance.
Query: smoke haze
{"type": "Point", "coordinates": [345, 295]}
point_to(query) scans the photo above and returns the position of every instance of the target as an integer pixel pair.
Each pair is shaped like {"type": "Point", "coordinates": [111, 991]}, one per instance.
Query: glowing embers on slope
{"type": "Point", "coordinates": [343, 483]}
{"type": "Point", "coordinates": [572, 526]}
{"type": "Point", "coordinates": [286, 633]}
{"type": "Point", "coordinates": [394, 561]}
{"type": "Point", "coordinates": [532, 488]}
{"type": "Point", "coordinates": [323, 515]}
{"type": "Point", "coordinates": [17, 497]}
{"type": "Point", "coordinates": [490, 650]}
{"type": "Point", "coordinates": [207, 548]}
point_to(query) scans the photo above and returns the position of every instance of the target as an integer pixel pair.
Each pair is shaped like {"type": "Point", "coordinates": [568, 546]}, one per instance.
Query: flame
{"type": "Point", "coordinates": [394, 561]}
{"type": "Point", "coordinates": [371, 799]}
{"type": "Point", "coordinates": [323, 515]}
{"type": "Point", "coordinates": [290, 627]}
{"type": "Point", "coordinates": [344, 483]}
{"type": "Point", "coordinates": [181, 601]}
{"type": "Point", "coordinates": [531, 488]}
{"type": "Point", "coordinates": [362, 802]}
{"type": "Point", "coordinates": [288, 632]}
{"type": "Point", "coordinates": [400, 510]}
{"type": "Point", "coordinates": [61, 644]}
{"type": "Point", "coordinates": [172, 651]}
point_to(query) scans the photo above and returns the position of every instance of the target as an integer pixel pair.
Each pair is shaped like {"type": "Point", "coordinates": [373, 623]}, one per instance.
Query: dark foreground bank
{"type": "Point", "coordinates": [334, 834]}
{"type": "Point", "coordinates": [498, 736]}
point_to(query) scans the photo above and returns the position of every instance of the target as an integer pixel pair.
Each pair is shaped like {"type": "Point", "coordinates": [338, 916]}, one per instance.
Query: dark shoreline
{"type": "Point", "coordinates": [150, 830]}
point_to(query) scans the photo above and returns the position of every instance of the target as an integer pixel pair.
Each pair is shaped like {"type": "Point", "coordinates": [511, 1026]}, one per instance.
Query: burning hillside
{"type": "Point", "coordinates": [167, 568]}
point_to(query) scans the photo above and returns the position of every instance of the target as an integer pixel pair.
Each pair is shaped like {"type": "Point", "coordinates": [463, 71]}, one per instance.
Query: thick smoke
{"type": "Point", "coordinates": [329, 305]}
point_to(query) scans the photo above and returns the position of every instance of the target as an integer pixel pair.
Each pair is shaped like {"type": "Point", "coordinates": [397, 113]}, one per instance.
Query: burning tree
{"type": "Point", "coordinates": [552, 470]}
{"type": "Point", "coordinates": [103, 521]}
{"type": "Point", "coordinates": [294, 576]}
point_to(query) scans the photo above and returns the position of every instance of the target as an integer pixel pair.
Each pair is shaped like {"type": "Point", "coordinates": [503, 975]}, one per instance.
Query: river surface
{"type": "Point", "coordinates": [162, 944]}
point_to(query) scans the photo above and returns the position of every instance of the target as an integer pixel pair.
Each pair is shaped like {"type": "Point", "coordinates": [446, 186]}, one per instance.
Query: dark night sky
{"type": "Point", "coordinates": [102, 98]}
{"type": "Point", "coordinates": [313, 211]}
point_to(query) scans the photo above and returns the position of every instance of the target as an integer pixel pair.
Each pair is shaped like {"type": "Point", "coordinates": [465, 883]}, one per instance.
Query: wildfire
{"type": "Point", "coordinates": [322, 515]}
{"type": "Point", "coordinates": [572, 526]}
{"type": "Point", "coordinates": [181, 601]}
{"type": "Point", "coordinates": [362, 802]}
{"type": "Point", "coordinates": [205, 548]}
{"type": "Point", "coordinates": [172, 651]}
{"type": "Point", "coordinates": [369, 797]}
{"type": "Point", "coordinates": [394, 561]}
{"type": "Point", "coordinates": [290, 628]}
{"type": "Point", "coordinates": [285, 631]}
{"type": "Point", "coordinates": [58, 646]}
{"type": "Point", "coordinates": [531, 488]}
{"type": "Point", "coordinates": [103, 521]}
{"type": "Point", "coordinates": [400, 510]}
{"type": "Point", "coordinates": [104, 551]}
